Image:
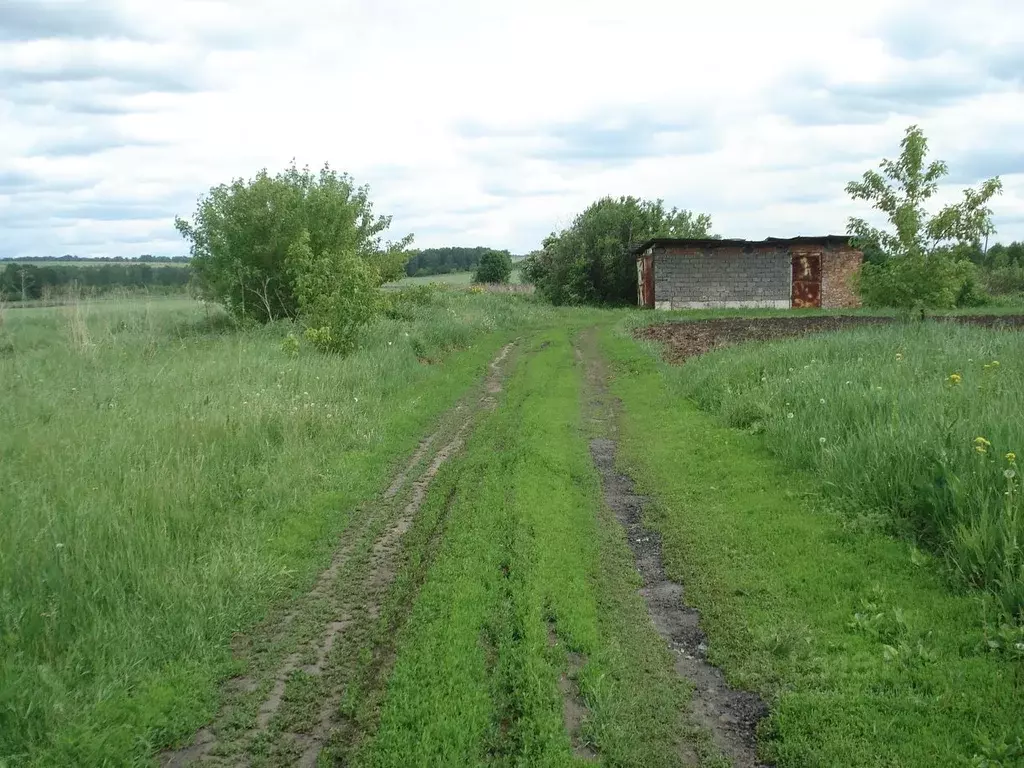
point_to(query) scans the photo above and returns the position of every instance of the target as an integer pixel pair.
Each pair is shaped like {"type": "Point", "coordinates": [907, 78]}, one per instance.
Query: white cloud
{"type": "Point", "coordinates": [493, 123]}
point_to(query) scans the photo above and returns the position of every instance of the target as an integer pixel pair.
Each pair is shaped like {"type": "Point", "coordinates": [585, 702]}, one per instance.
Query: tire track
{"type": "Point", "coordinates": [346, 599]}
{"type": "Point", "coordinates": [729, 715]}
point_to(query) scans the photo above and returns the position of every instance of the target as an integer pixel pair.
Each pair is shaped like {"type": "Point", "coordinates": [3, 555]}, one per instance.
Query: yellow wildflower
{"type": "Point", "coordinates": [981, 445]}
{"type": "Point", "coordinates": [1011, 457]}
{"type": "Point", "coordinates": [955, 378]}
{"type": "Point", "coordinates": [899, 356]}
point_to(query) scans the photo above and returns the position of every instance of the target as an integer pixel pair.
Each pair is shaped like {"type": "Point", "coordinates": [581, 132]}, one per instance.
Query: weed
{"type": "Point", "coordinates": [912, 422]}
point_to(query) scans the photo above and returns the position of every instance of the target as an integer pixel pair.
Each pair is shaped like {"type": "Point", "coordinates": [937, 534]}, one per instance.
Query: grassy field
{"type": "Point", "coordinates": [166, 479]}
{"type": "Point", "coordinates": [404, 557]}
{"type": "Point", "coordinates": [913, 427]}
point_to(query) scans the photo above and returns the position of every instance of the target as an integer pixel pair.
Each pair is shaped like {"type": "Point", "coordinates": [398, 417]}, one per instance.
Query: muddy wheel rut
{"type": "Point", "coordinates": [729, 715]}
{"type": "Point", "coordinates": [315, 674]}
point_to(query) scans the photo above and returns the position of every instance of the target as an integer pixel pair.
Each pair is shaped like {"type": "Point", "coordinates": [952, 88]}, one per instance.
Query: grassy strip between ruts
{"type": "Point", "coordinates": [166, 482]}
{"type": "Point", "coordinates": [865, 656]}
{"type": "Point", "coordinates": [528, 573]}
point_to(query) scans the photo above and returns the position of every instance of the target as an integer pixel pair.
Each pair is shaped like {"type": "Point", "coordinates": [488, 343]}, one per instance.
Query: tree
{"type": "Point", "coordinates": [494, 267]}
{"type": "Point", "coordinates": [590, 262]}
{"type": "Point", "coordinates": [241, 235]}
{"type": "Point", "coordinates": [921, 259]}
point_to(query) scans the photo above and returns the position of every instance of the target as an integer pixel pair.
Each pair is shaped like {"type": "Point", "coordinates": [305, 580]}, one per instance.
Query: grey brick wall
{"type": "Point", "coordinates": [722, 277]}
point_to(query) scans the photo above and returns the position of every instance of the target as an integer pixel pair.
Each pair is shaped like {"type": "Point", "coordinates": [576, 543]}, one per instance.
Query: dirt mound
{"type": "Point", "coordinates": [688, 339]}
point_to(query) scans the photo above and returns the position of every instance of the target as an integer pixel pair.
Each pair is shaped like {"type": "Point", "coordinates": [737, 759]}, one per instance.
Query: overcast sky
{"type": "Point", "coordinates": [493, 122]}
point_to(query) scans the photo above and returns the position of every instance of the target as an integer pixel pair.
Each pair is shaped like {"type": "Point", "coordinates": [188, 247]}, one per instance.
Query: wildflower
{"type": "Point", "coordinates": [994, 363]}
{"type": "Point", "coordinates": [1011, 457]}
{"type": "Point", "coordinates": [1010, 473]}
{"type": "Point", "coordinates": [981, 445]}
{"type": "Point", "coordinates": [823, 401]}
{"type": "Point", "coordinates": [955, 378]}
{"type": "Point", "coordinates": [821, 440]}
{"type": "Point", "coordinates": [899, 357]}
{"type": "Point", "coordinates": [790, 416]}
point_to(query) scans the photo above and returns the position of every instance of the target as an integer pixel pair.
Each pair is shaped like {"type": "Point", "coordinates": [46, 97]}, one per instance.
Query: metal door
{"type": "Point", "coordinates": [645, 280]}
{"type": "Point", "coordinates": [806, 280]}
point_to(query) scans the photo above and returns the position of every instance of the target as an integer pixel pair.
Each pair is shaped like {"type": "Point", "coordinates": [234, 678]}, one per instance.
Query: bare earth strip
{"type": "Point", "coordinates": [729, 715]}
{"type": "Point", "coordinates": [335, 642]}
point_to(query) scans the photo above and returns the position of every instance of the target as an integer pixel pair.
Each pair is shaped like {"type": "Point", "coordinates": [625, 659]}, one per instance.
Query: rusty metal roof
{"type": "Point", "coordinates": [780, 242]}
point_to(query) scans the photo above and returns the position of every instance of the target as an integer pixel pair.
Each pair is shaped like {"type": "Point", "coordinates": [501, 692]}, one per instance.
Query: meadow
{"type": "Point", "coordinates": [404, 556]}
{"type": "Point", "coordinates": [167, 478]}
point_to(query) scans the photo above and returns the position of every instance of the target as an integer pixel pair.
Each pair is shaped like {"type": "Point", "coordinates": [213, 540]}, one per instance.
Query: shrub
{"type": "Point", "coordinates": [494, 267]}
{"type": "Point", "coordinates": [241, 236]}
{"type": "Point", "coordinates": [915, 280]}
{"type": "Point", "coordinates": [337, 294]}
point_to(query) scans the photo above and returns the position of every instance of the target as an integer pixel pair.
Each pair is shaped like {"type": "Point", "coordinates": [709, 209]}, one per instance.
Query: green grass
{"type": "Point", "coordinates": [865, 655]}
{"type": "Point", "coordinates": [167, 479]}
{"type": "Point", "coordinates": [890, 419]}
{"type": "Point", "coordinates": [528, 555]}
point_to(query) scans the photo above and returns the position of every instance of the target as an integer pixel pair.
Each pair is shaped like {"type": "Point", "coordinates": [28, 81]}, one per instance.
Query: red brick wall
{"type": "Point", "coordinates": [838, 269]}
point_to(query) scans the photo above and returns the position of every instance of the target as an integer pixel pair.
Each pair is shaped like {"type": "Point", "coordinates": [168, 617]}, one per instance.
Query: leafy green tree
{"type": "Point", "coordinates": [590, 261]}
{"type": "Point", "coordinates": [494, 267]}
{"type": "Point", "coordinates": [241, 235]}
{"type": "Point", "coordinates": [919, 259]}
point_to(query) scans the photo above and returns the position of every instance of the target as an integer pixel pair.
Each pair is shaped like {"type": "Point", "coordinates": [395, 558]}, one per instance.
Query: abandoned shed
{"type": "Point", "coordinates": [778, 273]}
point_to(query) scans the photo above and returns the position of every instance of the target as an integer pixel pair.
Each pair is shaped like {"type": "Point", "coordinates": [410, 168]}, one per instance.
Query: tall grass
{"type": "Point", "coordinates": [918, 423]}
{"type": "Point", "coordinates": [166, 478]}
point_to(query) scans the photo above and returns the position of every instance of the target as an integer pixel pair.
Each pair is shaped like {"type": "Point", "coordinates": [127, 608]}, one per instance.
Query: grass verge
{"type": "Point", "coordinates": [864, 655]}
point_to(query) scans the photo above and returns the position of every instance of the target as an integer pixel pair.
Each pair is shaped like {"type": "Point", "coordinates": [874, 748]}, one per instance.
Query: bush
{"type": "Point", "coordinates": [494, 267]}
{"type": "Point", "coordinates": [937, 282]}
{"type": "Point", "coordinates": [337, 293]}
{"type": "Point", "coordinates": [241, 236]}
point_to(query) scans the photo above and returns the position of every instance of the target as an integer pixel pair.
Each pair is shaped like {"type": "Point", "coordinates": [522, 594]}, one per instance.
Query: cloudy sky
{"type": "Point", "coordinates": [493, 122]}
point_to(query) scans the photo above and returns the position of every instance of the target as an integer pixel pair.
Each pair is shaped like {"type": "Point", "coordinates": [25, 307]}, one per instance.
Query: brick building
{"type": "Point", "coordinates": [778, 273]}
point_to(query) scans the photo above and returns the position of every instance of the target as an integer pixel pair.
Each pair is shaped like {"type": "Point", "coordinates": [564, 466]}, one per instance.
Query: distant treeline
{"type": "Point", "coordinates": [442, 261]}
{"type": "Point", "coordinates": [25, 282]}
{"type": "Point", "coordinates": [145, 258]}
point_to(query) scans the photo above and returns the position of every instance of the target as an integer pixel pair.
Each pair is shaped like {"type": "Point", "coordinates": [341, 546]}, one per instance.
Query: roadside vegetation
{"type": "Point", "coordinates": [168, 477]}
{"type": "Point", "coordinates": [913, 428]}
{"type": "Point", "coordinates": [864, 653]}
